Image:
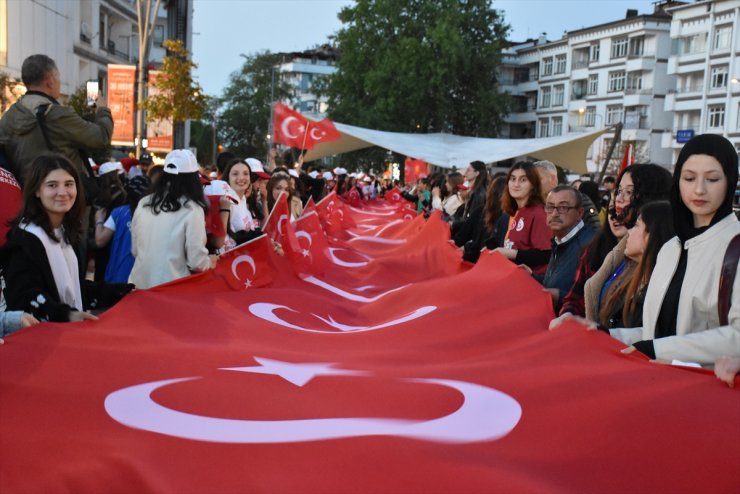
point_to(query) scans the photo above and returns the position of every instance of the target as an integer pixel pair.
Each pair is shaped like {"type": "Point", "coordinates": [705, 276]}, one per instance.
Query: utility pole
{"type": "Point", "coordinates": [146, 25]}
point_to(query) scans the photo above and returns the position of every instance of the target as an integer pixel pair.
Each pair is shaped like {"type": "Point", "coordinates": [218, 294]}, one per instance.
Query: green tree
{"type": "Point", "coordinates": [179, 97]}
{"type": "Point", "coordinates": [243, 123]}
{"type": "Point", "coordinates": [419, 66]}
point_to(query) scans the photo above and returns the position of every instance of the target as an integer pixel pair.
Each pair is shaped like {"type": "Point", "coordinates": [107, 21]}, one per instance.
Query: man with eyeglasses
{"type": "Point", "coordinates": [564, 210]}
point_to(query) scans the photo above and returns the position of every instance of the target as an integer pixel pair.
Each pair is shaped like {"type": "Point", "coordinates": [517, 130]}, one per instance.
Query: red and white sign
{"type": "Point", "coordinates": [122, 103]}
{"type": "Point", "coordinates": [159, 132]}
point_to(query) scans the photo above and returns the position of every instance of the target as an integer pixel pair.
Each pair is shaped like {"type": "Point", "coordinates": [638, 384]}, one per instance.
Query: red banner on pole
{"type": "Point", "coordinates": [121, 101]}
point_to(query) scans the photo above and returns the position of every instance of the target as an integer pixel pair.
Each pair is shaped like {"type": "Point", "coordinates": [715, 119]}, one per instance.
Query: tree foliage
{"type": "Point", "coordinates": [243, 123]}
{"type": "Point", "coordinates": [419, 66]}
{"type": "Point", "coordinates": [179, 97]}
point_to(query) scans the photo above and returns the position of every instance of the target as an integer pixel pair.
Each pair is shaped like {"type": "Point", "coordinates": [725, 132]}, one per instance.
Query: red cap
{"type": "Point", "coordinates": [127, 163]}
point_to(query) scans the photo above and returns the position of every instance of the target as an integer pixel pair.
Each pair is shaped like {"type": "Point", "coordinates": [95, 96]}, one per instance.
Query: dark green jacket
{"type": "Point", "coordinates": [68, 132]}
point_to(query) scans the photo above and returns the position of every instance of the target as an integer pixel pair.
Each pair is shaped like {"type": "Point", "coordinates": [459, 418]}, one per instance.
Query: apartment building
{"type": "Point", "coordinates": [83, 37]}
{"type": "Point", "coordinates": [704, 61]}
{"type": "Point", "coordinates": [301, 69]}
{"type": "Point", "coordinates": [594, 78]}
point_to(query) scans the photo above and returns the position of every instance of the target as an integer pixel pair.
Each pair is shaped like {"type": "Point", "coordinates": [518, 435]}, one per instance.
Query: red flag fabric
{"type": "Point", "coordinates": [278, 226]}
{"type": "Point", "coordinates": [294, 130]}
{"type": "Point", "coordinates": [398, 369]}
{"type": "Point", "coordinates": [310, 207]}
{"type": "Point", "coordinates": [313, 246]}
{"type": "Point", "coordinates": [393, 195]}
{"type": "Point", "coordinates": [248, 265]}
{"type": "Point", "coordinates": [628, 158]}
{"type": "Point", "coordinates": [415, 169]}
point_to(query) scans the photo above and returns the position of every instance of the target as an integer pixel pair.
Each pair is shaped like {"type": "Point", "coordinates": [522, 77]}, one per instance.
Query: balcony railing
{"type": "Point", "coordinates": [696, 88]}
{"type": "Point", "coordinates": [580, 64]}
{"type": "Point", "coordinates": [638, 91]}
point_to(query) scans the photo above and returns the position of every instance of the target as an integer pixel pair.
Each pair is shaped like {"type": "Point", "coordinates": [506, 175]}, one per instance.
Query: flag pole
{"type": "Point", "coordinates": [305, 134]}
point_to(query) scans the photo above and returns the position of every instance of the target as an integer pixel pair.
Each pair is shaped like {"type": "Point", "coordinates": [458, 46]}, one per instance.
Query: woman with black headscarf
{"type": "Point", "coordinates": [681, 316]}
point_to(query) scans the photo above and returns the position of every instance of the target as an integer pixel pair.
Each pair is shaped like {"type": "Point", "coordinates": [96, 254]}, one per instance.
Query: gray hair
{"type": "Point", "coordinates": [547, 166]}
{"type": "Point", "coordinates": [577, 195]}
{"type": "Point", "coordinates": [35, 69]}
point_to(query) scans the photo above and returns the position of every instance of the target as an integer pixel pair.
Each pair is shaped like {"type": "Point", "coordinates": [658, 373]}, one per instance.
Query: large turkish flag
{"type": "Point", "coordinates": [397, 368]}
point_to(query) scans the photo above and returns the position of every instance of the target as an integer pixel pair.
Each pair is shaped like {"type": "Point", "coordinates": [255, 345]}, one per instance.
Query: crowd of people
{"type": "Point", "coordinates": [641, 260]}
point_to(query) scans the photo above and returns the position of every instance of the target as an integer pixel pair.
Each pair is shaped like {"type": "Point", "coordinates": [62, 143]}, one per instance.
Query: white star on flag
{"type": "Point", "coordinates": [298, 374]}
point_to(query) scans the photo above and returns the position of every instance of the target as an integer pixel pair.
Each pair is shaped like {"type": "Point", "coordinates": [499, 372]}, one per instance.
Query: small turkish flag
{"type": "Point", "coordinates": [294, 130]}
{"type": "Point", "coordinates": [311, 257]}
{"type": "Point", "coordinates": [246, 266]}
{"type": "Point", "coordinates": [278, 226]}
{"type": "Point", "coordinates": [310, 207]}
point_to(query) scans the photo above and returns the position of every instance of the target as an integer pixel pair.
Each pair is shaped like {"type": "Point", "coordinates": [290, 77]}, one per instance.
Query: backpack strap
{"type": "Point", "coordinates": [40, 116]}
{"type": "Point", "coordinates": [727, 279]}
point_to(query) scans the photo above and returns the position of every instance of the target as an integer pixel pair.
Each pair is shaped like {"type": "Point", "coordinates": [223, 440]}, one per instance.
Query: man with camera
{"type": "Point", "coordinates": [38, 122]}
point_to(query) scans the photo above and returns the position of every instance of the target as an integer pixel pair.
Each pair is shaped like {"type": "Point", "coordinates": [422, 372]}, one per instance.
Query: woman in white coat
{"type": "Point", "coordinates": [680, 316]}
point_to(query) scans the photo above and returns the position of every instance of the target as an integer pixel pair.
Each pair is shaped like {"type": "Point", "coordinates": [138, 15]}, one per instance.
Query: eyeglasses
{"type": "Point", "coordinates": [561, 209]}
{"type": "Point", "coordinates": [626, 192]}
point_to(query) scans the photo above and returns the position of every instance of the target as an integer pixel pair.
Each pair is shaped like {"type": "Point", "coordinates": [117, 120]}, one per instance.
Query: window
{"type": "Point", "coordinates": [719, 77]}
{"type": "Point", "coordinates": [616, 81]}
{"type": "Point", "coordinates": [722, 38]}
{"type": "Point", "coordinates": [558, 94]}
{"type": "Point", "coordinates": [637, 46]}
{"type": "Point", "coordinates": [590, 116]}
{"type": "Point", "coordinates": [614, 114]}
{"type": "Point", "coordinates": [578, 89]}
{"type": "Point", "coordinates": [158, 36]}
{"type": "Point", "coordinates": [547, 66]}
{"type": "Point", "coordinates": [545, 97]}
{"type": "Point", "coordinates": [593, 54]}
{"type": "Point", "coordinates": [560, 64]}
{"type": "Point", "coordinates": [593, 84]}
{"type": "Point", "coordinates": [693, 44]}
{"type": "Point", "coordinates": [619, 47]}
{"type": "Point", "coordinates": [634, 81]}
{"type": "Point", "coordinates": [716, 116]}
{"type": "Point", "coordinates": [557, 126]}
{"type": "Point", "coordinates": [544, 127]}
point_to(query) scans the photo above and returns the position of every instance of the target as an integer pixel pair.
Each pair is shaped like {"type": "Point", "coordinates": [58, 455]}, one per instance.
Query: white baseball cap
{"type": "Point", "coordinates": [313, 174]}
{"type": "Point", "coordinates": [256, 166]}
{"type": "Point", "coordinates": [110, 166]}
{"type": "Point", "coordinates": [180, 161]}
{"type": "Point", "coordinates": [220, 188]}
{"type": "Point", "coordinates": [293, 172]}
{"type": "Point", "coordinates": [327, 176]}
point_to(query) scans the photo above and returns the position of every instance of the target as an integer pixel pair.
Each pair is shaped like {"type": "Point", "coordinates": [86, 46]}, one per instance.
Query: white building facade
{"type": "Point", "coordinates": [705, 63]}
{"type": "Point", "coordinates": [83, 37]}
{"type": "Point", "coordinates": [594, 78]}
{"type": "Point", "coordinates": [301, 69]}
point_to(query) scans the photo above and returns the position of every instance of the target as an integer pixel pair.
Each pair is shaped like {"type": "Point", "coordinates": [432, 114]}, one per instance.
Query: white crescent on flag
{"type": "Point", "coordinates": [485, 414]}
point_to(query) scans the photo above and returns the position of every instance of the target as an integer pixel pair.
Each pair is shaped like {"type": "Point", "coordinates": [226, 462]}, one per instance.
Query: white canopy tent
{"type": "Point", "coordinates": [448, 150]}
